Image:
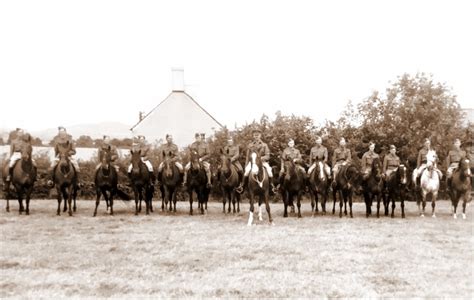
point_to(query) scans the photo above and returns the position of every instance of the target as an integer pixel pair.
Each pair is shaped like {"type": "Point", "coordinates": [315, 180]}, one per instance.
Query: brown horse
{"type": "Point", "coordinates": [170, 179]}
{"type": "Point", "coordinates": [293, 186]}
{"type": "Point", "coordinates": [229, 180]}
{"type": "Point", "coordinates": [258, 185]}
{"type": "Point", "coordinates": [348, 180]}
{"type": "Point", "coordinates": [197, 182]}
{"type": "Point", "coordinates": [140, 180]}
{"type": "Point", "coordinates": [396, 184]}
{"type": "Point", "coordinates": [23, 179]}
{"type": "Point", "coordinates": [106, 180]}
{"type": "Point", "coordinates": [461, 187]}
{"type": "Point", "coordinates": [65, 179]}
{"type": "Point", "coordinates": [373, 188]}
{"type": "Point", "coordinates": [318, 184]}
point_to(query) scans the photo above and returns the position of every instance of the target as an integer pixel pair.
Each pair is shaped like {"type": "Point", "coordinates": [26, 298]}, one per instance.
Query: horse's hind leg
{"type": "Point", "coordinates": [59, 202]}
{"type": "Point", "coordinates": [392, 197]}
{"type": "Point", "coordinates": [267, 206]}
{"type": "Point", "coordinates": [74, 196]}
{"type": "Point", "coordinates": [299, 205]}
{"type": "Point", "coordinates": [433, 204]}
{"type": "Point", "coordinates": [69, 200]}
{"type": "Point", "coordinates": [111, 201]}
{"type": "Point", "coordinates": [20, 203]}
{"type": "Point", "coordinates": [350, 204]}
{"type": "Point", "coordinates": [341, 200]}
{"type": "Point", "coordinates": [464, 204]}
{"type": "Point", "coordinates": [191, 203]}
{"type": "Point", "coordinates": [402, 205]}
{"type": "Point", "coordinates": [27, 200]}
{"type": "Point", "coordinates": [378, 205]}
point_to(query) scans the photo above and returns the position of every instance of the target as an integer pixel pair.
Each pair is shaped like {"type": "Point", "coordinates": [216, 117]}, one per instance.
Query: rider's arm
{"type": "Point", "coordinates": [236, 155]}
{"type": "Point", "coordinates": [418, 160]}
{"type": "Point", "coordinates": [364, 161]}
{"type": "Point", "coordinates": [311, 157]}
{"type": "Point", "coordinates": [72, 151]}
{"type": "Point", "coordinates": [448, 160]}
{"type": "Point", "coordinates": [325, 156]}
{"type": "Point", "coordinates": [266, 156]}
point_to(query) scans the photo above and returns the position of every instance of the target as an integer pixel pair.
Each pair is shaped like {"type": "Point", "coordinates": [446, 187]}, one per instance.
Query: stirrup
{"type": "Point", "coordinates": [239, 189]}
{"type": "Point", "coordinates": [8, 178]}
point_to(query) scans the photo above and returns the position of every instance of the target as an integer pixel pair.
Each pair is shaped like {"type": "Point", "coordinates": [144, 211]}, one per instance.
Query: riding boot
{"type": "Point", "coordinates": [208, 173]}
{"type": "Point", "coordinates": [159, 178]}
{"type": "Point", "coordinates": [185, 178]}
{"type": "Point", "coordinates": [10, 174]}
{"type": "Point", "coordinates": [243, 185]}
{"type": "Point", "coordinates": [152, 178]}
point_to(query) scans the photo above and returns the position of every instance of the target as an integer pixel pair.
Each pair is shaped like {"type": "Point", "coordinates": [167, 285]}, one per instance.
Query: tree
{"type": "Point", "coordinates": [85, 141]}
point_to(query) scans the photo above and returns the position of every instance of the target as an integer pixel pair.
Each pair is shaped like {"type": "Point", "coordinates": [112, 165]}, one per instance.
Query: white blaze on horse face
{"type": "Point", "coordinates": [253, 157]}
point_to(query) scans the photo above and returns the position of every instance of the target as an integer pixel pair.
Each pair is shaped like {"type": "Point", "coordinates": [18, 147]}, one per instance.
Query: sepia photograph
{"type": "Point", "coordinates": [236, 149]}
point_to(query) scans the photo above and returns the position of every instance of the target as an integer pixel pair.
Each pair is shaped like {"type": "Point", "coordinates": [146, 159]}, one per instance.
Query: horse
{"type": "Point", "coordinates": [23, 179]}
{"type": "Point", "coordinates": [318, 184]}
{"type": "Point", "coordinates": [170, 183]}
{"type": "Point", "coordinates": [229, 181]}
{"type": "Point", "coordinates": [293, 186]}
{"type": "Point", "coordinates": [461, 186]}
{"type": "Point", "coordinates": [106, 180]}
{"type": "Point", "coordinates": [429, 183]}
{"type": "Point", "coordinates": [258, 186]}
{"type": "Point", "coordinates": [396, 185]}
{"type": "Point", "coordinates": [347, 181]}
{"type": "Point", "coordinates": [373, 188]}
{"type": "Point", "coordinates": [65, 179]}
{"type": "Point", "coordinates": [140, 180]}
{"type": "Point", "coordinates": [197, 182]}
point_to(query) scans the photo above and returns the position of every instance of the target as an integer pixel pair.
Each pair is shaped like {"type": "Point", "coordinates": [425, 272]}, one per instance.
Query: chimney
{"type": "Point", "coordinates": [177, 84]}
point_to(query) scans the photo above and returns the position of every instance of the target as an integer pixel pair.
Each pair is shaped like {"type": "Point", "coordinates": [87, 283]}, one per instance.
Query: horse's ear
{"type": "Point", "coordinates": [131, 151]}
{"type": "Point", "coordinates": [109, 148]}
{"type": "Point", "coordinates": [222, 152]}
{"type": "Point", "coordinates": [227, 150]}
{"type": "Point", "coordinates": [164, 153]}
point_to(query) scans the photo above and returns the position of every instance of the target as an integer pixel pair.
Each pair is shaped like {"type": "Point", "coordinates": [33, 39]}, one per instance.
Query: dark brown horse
{"type": "Point", "coordinates": [461, 187]}
{"type": "Point", "coordinates": [170, 179]}
{"type": "Point", "coordinates": [65, 179]}
{"type": "Point", "coordinates": [140, 180]}
{"type": "Point", "coordinates": [258, 185]}
{"type": "Point", "coordinates": [23, 179]}
{"type": "Point", "coordinates": [197, 182]}
{"type": "Point", "coordinates": [348, 181]}
{"type": "Point", "coordinates": [396, 184]}
{"type": "Point", "coordinates": [318, 184]}
{"type": "Point", "coordinates": [229, 180]}
{"type": "Point", "coordinates": [293, 186]}
{"type": "Point", "coordinates": [373, 188]}
{"type": "Point", "coordinates": [106, 180]}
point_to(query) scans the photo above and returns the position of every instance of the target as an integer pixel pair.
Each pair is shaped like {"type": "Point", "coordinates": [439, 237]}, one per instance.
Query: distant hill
{"type": "Point", "coordinates": [95, 131]}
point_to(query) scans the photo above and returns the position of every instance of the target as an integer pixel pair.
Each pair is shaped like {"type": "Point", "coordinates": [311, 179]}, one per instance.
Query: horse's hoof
{"type": "Point", "coordinates": [351, 215]}
{"type": "Point", "coordinates": [8, 210]}
{"type": "Point", "coordinates": [433, 216]}
{"type": "Point", "coordinates": [285, 215]}
{"type": "Point", "coordinates": [74, 209]}
{"type": "Point", "coordinates": [299, 215]}
{"type": "Point", "coordinates": [94, 215]}
{"type": "Point", "coordinates": [422, 215]}
{"type": "Point", "coordinates": [455, 216]}
{"type": "Point", "coordinates": [70, 214]}
{"type": "Point", "coordinates": [403, 216]}
{"type": "Point", "coordinates": [27, 213]}
{"type": "Point", "coordinates": [464, 216]}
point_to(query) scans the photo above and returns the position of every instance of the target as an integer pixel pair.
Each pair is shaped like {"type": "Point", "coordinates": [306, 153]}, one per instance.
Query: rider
{"type": "Point", "coordinates": [232, 151]}
{"type": "Point", "coordinates": [141, 144]}
{"type": "Point", "coordinates": [390, 162]}
{"type": "Point", "coordinates": [15, 153]}
{"type": "Point", "coordinates": [169, 150]}
{"type": "Point", "coordinates": [202, 148]}
{"type": "Point", "coordinates": [319, 153]}
{"type": "Point", "coordinates": [367, 160]}
{"type": "Point", "coordinates": [421, 160]}
{"type": "Point", "coordinates": [452, 161]}
{"type": "Point", "coordinates": [105, 147]}
{"type": "Point", "coordinates": [341, 156]}
{"type": "Point", "coordinates": [63, 143]}
{"type": "Point", "coordinates": [258, 146]}
{"type": "Point", "coordinates": [290, 153]}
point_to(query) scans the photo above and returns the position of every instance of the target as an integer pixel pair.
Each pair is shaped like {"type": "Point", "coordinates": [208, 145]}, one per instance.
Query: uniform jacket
{"type": "Point", "coordinates": [202, 149]}
{"type": "Point", "coordinates": [113, 151]}
{"type": "Point", "coordinates": [170, 151]}
{"type": "Point", "coordinates": [318, 153]}
{"type": "Point", "coordinates": [233, 152]}
{"type": "Point", "coordinates": [455, 156]}
{"type": "Point", "coordinates": [390, 160]}
{"type": "Point", "coordinates": [291, 153]}
{"type": "Point", "coordinates": [368, 158]}
{"type": "Point", "coordinates": [258, 147]}
{"type": "Point", "coordinates": [341, 154]}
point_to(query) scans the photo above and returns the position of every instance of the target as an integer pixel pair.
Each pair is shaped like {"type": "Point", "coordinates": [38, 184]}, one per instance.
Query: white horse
{"type": "Point", "coordinates": [429, 182]}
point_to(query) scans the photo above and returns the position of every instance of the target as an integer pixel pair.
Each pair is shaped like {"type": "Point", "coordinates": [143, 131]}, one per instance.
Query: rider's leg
{"type": "Point", "coordinates": [270, 175]}
{"type": "Point", "coordinates": [207, 168]}
{"type": "Point", "coordinates": [186, 169]}
{"type": "Point", "coordinates": [160, 168]}
{"type": "Point", "coordinates": [55, 162]}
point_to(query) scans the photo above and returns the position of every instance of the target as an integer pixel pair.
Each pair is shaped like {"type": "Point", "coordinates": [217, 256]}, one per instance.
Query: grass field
{"type": "Point", "coordinates": [216, 255]}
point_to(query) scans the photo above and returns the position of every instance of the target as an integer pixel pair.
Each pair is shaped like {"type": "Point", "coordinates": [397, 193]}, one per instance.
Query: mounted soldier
{"type": "Point", "coordinates": [293, 154]}
{"type": "Point", "coordinates": [341, 156]}
{"type": "Point", "coordinates": [63, 143]}
{"type": "Point", "coordinates": [141, 145]}
{"type": "Point", "coordinates": [452, 161]}
{"type": "Point", "coordinates": [367, 160]}
{"type": "Point", "coordinates": [107, 147]}
{"type": "Point", "coordinates": [169, 150]}
{"type": "Point", "coordinates": [232, 151]}
{"type": "Point", "coordinates": [391, 162]}
{"type": "Point", "coordinates": [319, 153]}
{"type": "Point", "coordinates": [202, 149]}
{"type": "Point", "coordinates": [421, 160]}
{"type": "Point", "coordinates": [257, 146]}
{"type": "Point", "coordinates": [16, 143]}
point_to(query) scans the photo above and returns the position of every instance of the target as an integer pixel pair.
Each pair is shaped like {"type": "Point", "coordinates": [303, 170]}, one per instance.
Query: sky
{"type": "Point", "coordinates": [73, 62]}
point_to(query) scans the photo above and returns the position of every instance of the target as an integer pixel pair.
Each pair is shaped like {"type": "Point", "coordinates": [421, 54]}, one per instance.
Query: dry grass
{"type": "Point", "coordinates": [216, 255]}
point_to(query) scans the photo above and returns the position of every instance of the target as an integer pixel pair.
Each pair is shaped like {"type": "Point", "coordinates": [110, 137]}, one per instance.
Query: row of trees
{"type": "Point", "coordinates": [411, 109]}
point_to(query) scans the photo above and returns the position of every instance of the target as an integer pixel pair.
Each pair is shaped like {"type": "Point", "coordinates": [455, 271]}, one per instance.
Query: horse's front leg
{"type": "Point", "coordinates": [111, 201]}
{"type": "Point", "coordinates": [464, 204]}
{"type": "Point", "coordinates": [69, 200]}
{"type": "Point", "coordinates": [423, 204]}
{"type": "Point", "coordinates": [298, 199]}
{"type": "Point", "coordinates": [334, 192]}
{"type": "Point", "coordinates": [97, 201]}
{"type": "Point", "coordinates": [250, 220]}
{"type": "Point", "coordinates": [350, 204]}
{"type": "Point", "coordinates": [433, 204]}
{"type": "Point", "coordinates": [341, 202]}
{"type": "Point", "coordinates": [267, 205]}
{"type": "Point", "coordinates": [58, 191]}
{"type": "Point", "coordinates": [65, 198]}
{"type": "Point", "coordinates": [20, 202]}
{"type": "Point", "coordinates": [378, 203]}
{"type": "Point", "coordinates": [28, 197]}
{"type": "Point", "coordinates": [135, 191]}
{"type": "Point", "coordinates": [173, 197]}
{"type": "Point", "coordinates": [74, 196]}
{"type": "Point", "coordinates": [190, 202]}
{"type": "Point", "coordinates": [392, 198]}
{"type": "Point", "coordinates": [224, 199]}
{"type": "Point", "coordinates": [345, 203]}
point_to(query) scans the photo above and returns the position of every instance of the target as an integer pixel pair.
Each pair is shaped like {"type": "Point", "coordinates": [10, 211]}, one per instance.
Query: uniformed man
{"type": "Point", "coordinates": [63, 143]}
{"type": "Point", "coordinates": [319, 153]}
{"type": "Point", "coordinates": [421, 160]}
{"type": "Point", "coordinates": [293, 154]}
{"type": "Point", "coordinates": [390, 162]}
{"type": "Point", "coordinates": [169, 150]}
{"type": "Point", "coordinates": [141, 144]}
{"type": "Point", "coordinates": [452, 161]}
{"type": "Point", "coordinates": [341, 156]}
{"type": "Point", "coordinates": [258, 146]}
{"type": "Point", "coordinates": [103, 149]}
{"type": "Point", "coordinates": [232, 151]}
{"type": "Point", "coordinates": [15, 151]}
{"type": "Point", "coordinates": [202, 148]}
{"type": "Point", "coordinates": [367, 160]}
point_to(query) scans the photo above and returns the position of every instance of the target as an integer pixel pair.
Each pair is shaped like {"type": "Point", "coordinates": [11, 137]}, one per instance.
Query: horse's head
{"type": "Point", "coordinates": [136, 160]}
{"type": "Point", "coordinates": [376, 168]}
{"type": "Point", "coordinates": [194, 159]}
{"type": "Point", "coordinates": [256, 162]}
{"type": "Point", "coordinates": [167, 164]}
{"type": "Point", "coordinates": [430, 158]}
{"type": "Point", "coordinates": [26, 153]}
{"type": "Point", "coordinates": [464, 166]}
{"type": "Point", "coordinates": [402, 174]}
{"type": "Point", "coordinates": [224, 164]}
{"type": "Point", "coordinates": [319, 170]}
{"type": "Point", "coordinates": [290, 168]}
{"type": "Point", "coordinates": [106, 158]}
{"type": "Point", "coordinates": [354, 178]}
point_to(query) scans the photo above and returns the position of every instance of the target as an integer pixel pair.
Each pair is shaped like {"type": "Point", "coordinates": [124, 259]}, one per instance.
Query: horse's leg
{"type": "Point", "coordinates": [20, 201]}
{"type": "Point", "coordinates": [316, 200]}
{"type": "Point", "coordinates": [135, 191]}
{"type": "Point", "coordinates": [341, 200]}
{"type": "Point", "coordinates": [27, 200]}
{"type": "Point", "coordinates": [224, 196]}
{"type": "Point", "coordinates": [69, 199]}
{"type": "Point", "coordinates": [423, 203]}
{"type": "Point", "coordinates": [378, 203]}
{"type": "Point", "coordinates": [111, 201]}
{"type": "Point", "coordinates": [232, 196]}
{"type": "Point", "coordinates": [350, 204]}
{"type": "Point", "coordinates": [334, 192]}
{"type": "Point", "coordinates": [312, 197]}
{"type": "Point", "coordinates": [267, 206]}
{"type": "Point", "coordinates": [324, 199]}
{"type": "Point", "coordinates": [250, 221]}
{"type": "Point", "coordinates": [260, 214]}
{"type": "Point", "coordinates": [173, 197]}
{"type": "Point", "coordinates": [285, 204]}
{"type": "Point", "coordinates": [464, 203]}
{"type": "Point", "coordinates": [345, 203]}
{"type": "Point", "coordinates": [74, 196]}
{"type": "Point", "coordinates": [433, 204]}
{"type": "Point", "coordinates": [191, 202]}
{"type": "Point", "coordinates": [386, 203]}
{"type": "Point", "coordinates": [58, 192]}
{"type": "Point", "coordinates": [65, 197]}
{"type": "Point", "coordinates": [238, 202]}
{"type": "Point", "coordinates": [97, 201]}
{"type": "Point", "coordinates": [229, 198]}
{"type": "Point", "coordinates": [144, 193]}
{"type": "Point", "coordinates": [392, 197]}
{"type": "Point", "coordinates": [298, 199]}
